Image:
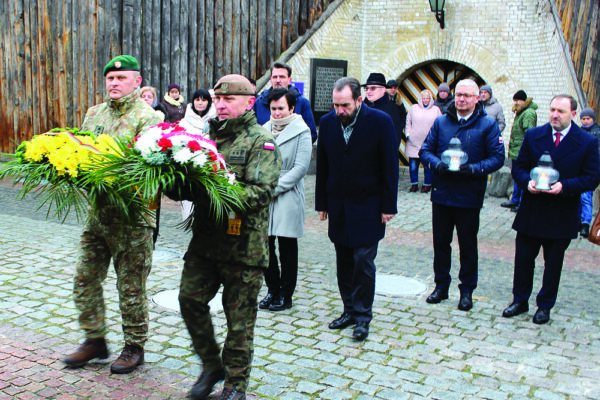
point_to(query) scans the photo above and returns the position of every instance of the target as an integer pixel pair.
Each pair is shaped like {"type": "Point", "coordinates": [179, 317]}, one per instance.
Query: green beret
{"type": "Point", "coordinates": [122, 63]}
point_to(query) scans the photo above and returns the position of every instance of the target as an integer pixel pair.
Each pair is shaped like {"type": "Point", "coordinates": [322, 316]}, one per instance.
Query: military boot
{"type": "Point", "coordinates": [89, 349]}
{"type": "Point", "coordinates": [131, 356]}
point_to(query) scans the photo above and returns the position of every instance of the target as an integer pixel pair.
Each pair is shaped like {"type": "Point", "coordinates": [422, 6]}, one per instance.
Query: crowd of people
{"type": "Point", "coordinates": [267, 141]}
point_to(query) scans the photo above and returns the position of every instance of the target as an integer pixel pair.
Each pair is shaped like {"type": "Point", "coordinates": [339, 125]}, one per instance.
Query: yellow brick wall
{"type": "Point", "coordinates": [511, 44]}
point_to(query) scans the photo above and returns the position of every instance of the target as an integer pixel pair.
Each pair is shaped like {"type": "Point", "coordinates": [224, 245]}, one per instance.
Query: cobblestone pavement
{"type": "Point", "coordinates": [414, 351]}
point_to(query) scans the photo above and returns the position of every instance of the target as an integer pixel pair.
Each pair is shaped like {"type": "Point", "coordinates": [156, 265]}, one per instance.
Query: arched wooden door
{"type": "Point", "coordinates": [430, 76]}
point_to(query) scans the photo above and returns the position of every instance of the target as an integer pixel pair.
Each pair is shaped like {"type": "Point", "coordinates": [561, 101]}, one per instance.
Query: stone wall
{"type": "Point", "coordinates": [511, 44]}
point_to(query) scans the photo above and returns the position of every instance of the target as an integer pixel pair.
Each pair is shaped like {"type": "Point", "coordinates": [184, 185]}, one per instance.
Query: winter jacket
{"type": "Point", "coordinates": [481, 140]}
{"type": "Point", "coordinates": [445, 104]}
{"type": "Point", "coordinates": [286, 212]}
{"type": "Point", "coordinates": [526, 118]}
{"type": "Point", "coordinates": [494, 110]}
{"type": "Point", "coordinates": [594, 129]}
{"type": "Point", "coordinates": [384, 104]}
{"type": "Point", "coordinates": [175, 108]}
{"type": "Point", "coordinates": [263, 114]}
{"type": "Point", "coordinates": [419, 120]}
{"type": "Point", "coordinates": [196, 124]}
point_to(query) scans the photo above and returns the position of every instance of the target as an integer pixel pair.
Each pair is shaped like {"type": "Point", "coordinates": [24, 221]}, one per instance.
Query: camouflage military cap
{"type": "Point", "coordinates": [122, 63]}
{"type": "Point", "coordinates": [234, 84]}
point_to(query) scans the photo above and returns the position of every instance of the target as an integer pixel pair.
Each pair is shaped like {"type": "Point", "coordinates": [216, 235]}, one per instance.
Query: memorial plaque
{"type": "Point", "coordinates": [323, 75]}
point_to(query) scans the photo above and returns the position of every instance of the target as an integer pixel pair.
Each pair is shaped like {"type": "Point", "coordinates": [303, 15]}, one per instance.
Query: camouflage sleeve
{"type": "Point", "coordinates": [148, 119]}
{"type": "Point", "coordinates": [87, 124]}
{"type": "Point", "coordinates": [262, 172]}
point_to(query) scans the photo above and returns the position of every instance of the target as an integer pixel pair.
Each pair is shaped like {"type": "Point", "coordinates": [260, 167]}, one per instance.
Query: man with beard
{"type": "Point", "coordinates": [357, 189]}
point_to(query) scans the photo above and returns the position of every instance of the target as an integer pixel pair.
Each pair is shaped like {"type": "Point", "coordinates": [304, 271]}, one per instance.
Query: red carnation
{"type": "Point", "coordinates": [164, 125]}
{"type": "Point", "coordinates": [213, 156]}
{"type": "Point", "coordinates": [165, 144]}
{"type": "Point", "coordinates": [194, 145]}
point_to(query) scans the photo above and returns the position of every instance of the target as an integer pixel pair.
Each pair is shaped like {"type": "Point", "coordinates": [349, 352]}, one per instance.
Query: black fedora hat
{"type": "Point", "coordinates": [376, 78]}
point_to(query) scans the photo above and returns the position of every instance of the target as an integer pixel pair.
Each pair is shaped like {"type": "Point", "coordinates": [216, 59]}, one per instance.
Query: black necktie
{"type": "Point", "coordinates": [461, 121]}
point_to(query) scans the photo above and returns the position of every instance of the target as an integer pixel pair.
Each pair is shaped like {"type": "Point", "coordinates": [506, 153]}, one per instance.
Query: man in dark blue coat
{"type": "Point", "coordinates": [457, 196]}
{"type": "Point", "coordinates": [281, 77]}
{"type": "Point", "coordinates": [357, 189]}
{"type": "Point", "coordinates": [549, 219]}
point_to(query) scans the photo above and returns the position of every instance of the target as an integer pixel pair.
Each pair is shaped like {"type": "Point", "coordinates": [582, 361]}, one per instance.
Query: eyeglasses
{"type": "Point", "coordinates": [465, 95]}
{"type": "Point", "coordinates": [368, 88]}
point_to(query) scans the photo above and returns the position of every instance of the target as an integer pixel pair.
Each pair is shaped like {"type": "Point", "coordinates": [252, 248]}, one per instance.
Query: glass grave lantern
{"type": "Point", "coordinates": [454, 157]}
{"type": "Point", "coordinates": [544, 174]}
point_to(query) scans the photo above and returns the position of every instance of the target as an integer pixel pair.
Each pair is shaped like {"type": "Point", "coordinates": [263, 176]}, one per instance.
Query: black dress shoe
{"type": "Point", "coordinates": [205, 384]}
{"type": "Point", "coordinates": [515, 308]}
{"type": "Point", "coordinates": [437, 295]}
{"type": "Point", "coordinates": [361, 331]}
{"type": "Point", "coordinates": [509, 204]}
{"type": "Point", "coordinates": [541, 316]}
{"type": "Point", "coordinates": [466, 302]}
{"type": "Point", "coordinates": [342, 322]}
{"type": "Point", "coordinates": [280, 304]}
{"type": "Point", "coordinates": [266, 302]}
{"type": "Point", "coordinates": [585, 230]}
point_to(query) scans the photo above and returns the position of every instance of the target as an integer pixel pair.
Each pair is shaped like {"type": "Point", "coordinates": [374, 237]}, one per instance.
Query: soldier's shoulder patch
{"type": "Point", "coordinates": [269, 146]}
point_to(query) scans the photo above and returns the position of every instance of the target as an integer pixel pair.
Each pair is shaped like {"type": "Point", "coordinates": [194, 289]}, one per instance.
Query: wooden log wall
{"type": "Point", "coordinates": [52, 51]}
{"type": "Point", "coordinates": [580, 21]}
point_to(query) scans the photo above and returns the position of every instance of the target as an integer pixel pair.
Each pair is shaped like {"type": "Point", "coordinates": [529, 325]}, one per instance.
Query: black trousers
{"type": "Point", "coordinates": [282, 282]}
{"type": "Point", "coordinates": [466, 221]}
{"type": "Point", "coordinates": [356, 279]}
{"type": "Point", "coordinates": [527, 249]}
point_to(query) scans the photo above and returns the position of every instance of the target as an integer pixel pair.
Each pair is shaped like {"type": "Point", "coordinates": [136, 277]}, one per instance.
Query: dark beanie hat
{"type": "Point", "coordinates": [444, 88]}
{"type": "Point", "coordinates": [588, 112]}
{"type": "Point", "coordinates": [520, 95]}
{"type": "Point", "coordinates": [173, 86]}
{"type": "Point", "coordinates": [487, 88]}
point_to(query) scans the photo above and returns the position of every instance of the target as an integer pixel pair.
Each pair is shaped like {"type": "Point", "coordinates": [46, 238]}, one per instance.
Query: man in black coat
{"type": "Point", "coordinates": [549, 219]}
{"type": "Point", "coordinates": [357, 189]}
{"type": "Point", "coordinates": [377, 97]}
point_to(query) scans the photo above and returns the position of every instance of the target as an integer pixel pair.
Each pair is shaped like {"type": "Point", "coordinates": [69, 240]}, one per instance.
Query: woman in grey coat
{"type": "Point", "coordinates": [286, 212]}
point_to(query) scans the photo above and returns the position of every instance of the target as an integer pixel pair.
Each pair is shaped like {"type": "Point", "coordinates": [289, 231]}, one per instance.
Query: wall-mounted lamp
{"type": "Point", "coordinates": [437, 7]}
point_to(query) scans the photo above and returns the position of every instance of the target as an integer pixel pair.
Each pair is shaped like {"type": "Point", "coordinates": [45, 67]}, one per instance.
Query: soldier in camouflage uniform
{"type": "Point", "coordinates": [124, 114]}
{"type": "Point", "coordinates": [220, 254]}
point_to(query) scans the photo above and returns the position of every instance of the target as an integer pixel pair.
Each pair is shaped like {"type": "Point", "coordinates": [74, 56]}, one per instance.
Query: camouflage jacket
{"type": "Point", "coordinates": [125, 118]}
{"type": "Point", "coordinates": [251, 153]}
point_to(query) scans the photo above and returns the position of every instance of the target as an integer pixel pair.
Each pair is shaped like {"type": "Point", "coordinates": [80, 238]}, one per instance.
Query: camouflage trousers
{"type": "Point", "coordinates": [200, 282]}
{"type": "Point", "coordinates": [131, 251]}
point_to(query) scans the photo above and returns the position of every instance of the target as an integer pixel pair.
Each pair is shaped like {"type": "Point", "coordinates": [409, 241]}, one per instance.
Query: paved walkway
{"type": "Point", "coordinates": [415, 350]}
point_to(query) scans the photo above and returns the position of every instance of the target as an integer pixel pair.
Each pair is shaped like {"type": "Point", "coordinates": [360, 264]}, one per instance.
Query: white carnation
{"type": "Point", "coordinates": [182, 156]}
{"type": "Point", "coordinates": [199, 159]}
{"type": "Point", "coordinates": [180, 140]}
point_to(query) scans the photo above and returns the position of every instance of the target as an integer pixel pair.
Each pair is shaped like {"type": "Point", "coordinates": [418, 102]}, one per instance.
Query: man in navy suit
{"type": "Point", "coordinates": [357, 189]}
{"type": "Point", "coordinates": [549, 219]}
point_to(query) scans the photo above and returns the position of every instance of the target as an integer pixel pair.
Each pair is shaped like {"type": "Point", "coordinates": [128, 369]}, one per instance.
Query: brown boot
{"type": "Point", "coordinates": [131, 356]}
{"type": "Point", "coordinates": [89, 349]}
{"type": "Point", "coordinates": [425, 189]}
{"type": "Point", "coordinates": [413, 188]}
